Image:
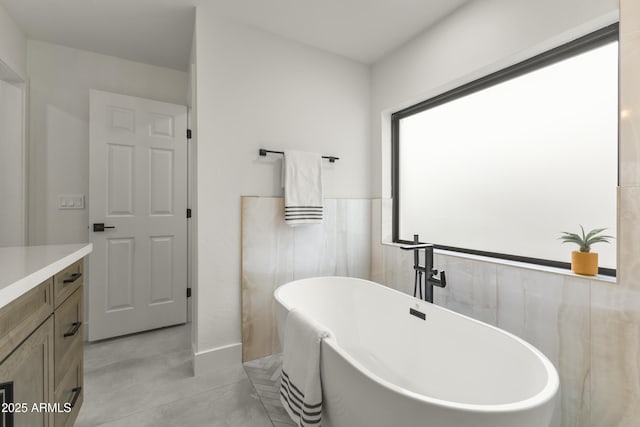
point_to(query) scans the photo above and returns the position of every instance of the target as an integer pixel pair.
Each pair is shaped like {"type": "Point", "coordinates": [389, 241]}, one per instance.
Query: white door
{"type": "Point", "coordinates": [138, 190]}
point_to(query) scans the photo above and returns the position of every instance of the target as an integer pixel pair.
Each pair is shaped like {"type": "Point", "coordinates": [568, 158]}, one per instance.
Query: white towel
{"type": "Point", "coordinates": [302, 187]}
{"type": "Point", "coordinates": [300, 387]}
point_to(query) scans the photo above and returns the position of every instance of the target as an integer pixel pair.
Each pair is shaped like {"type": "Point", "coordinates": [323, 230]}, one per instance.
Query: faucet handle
{"type": "Point", "coordinates": [443, 279]}
{"type": "Point", "coordinates": [440, 282]}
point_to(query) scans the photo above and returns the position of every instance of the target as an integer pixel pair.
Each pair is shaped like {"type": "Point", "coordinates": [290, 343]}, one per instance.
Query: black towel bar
{"type": "Point", "coordinates": [263, 152]}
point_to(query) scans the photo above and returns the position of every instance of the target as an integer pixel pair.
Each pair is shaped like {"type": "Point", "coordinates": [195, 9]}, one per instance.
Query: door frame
{"type": "Point", "coordinates": [8, 75]}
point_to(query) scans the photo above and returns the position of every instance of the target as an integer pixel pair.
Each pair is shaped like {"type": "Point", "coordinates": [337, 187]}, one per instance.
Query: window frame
{"type": "Point", "coordinates": [575, 47]}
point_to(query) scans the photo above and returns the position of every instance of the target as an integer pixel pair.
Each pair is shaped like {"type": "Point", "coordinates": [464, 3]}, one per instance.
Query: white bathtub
{"type": "Point", "coordinates": [387, 368]}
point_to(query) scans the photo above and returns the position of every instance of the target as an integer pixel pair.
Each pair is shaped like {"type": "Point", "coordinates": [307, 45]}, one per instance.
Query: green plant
{"type": "Point", "coordinates": [585, 241]}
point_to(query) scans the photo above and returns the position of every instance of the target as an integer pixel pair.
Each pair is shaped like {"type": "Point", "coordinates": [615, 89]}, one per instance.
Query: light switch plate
{"type": "Point", "coordinates": [71, 201]}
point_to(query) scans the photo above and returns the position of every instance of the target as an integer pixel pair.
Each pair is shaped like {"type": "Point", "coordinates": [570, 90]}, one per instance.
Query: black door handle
{"type": "Point", "coordinates": [99, 226]}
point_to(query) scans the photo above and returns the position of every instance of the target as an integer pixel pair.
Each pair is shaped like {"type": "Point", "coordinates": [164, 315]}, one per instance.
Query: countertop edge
{"type": "Point", "coordinates": [24, 285]}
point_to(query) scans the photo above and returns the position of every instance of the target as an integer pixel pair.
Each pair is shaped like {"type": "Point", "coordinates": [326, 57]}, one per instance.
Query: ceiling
{"type": "Point", "coordinates": [159, 32]}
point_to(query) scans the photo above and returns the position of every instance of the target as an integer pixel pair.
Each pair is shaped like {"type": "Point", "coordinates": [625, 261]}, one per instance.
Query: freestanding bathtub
{"type": "Point", "coordinates": [386, 367]}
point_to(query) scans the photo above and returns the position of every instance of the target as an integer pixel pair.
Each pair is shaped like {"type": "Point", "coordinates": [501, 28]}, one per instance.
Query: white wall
{"type": "Point", "coordinates": [13, 146]}
{"type": "Point", "coordinates": [481, 37]}
{"type": "Point", "coordinates": [12, 165]}
{"type": "Point", "coordinates": [13, 44]}
{"type": "Point", "coordinates": [258, 90]}
{"type": "Point", "coordinates": [59, 127]}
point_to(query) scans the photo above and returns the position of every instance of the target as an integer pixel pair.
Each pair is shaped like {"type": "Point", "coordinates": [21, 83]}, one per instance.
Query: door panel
{"type": "Point", "coordinates": [120, 179]}
{"type": "Point", "coordinates": [120, 274]}
{"type": "Point", "coordinates": [138, 156]}
{"type": "Point", "coordinates": [161, 170]}
{"type": "Point", "coordinates": [161, 269]}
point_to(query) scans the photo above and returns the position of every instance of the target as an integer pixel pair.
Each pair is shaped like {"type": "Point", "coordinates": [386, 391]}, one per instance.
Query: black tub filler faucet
{"type": "Point", "coordinates": [427, 269]}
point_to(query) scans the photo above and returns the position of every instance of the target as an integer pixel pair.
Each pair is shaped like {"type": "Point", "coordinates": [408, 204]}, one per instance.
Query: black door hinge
{"type": "Point", "coordinates": [188, 133]}
{"type": "Point", "coordinates": [188, 213]}
{"type": "Point", "coordinates": [188, 292]}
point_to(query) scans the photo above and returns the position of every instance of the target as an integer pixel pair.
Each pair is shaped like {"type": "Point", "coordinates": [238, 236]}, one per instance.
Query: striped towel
{"type": "Point", "coordinates": [300, 386]}
{"type": "Point", "coordinates": [302, 187]}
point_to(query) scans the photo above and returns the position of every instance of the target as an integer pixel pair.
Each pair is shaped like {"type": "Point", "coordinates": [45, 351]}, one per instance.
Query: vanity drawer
{"type": "Point", "coordinates": [22, 316]}
{"type": "Point", "coordinates": [70, 393]}
{"type": "Point", "coordinates": [68, 335]}
{"type": "Point", "coordinates": [67, 281]}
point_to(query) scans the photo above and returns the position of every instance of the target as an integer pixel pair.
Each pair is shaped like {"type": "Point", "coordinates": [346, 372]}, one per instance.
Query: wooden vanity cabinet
{"type": "Point", "coordinates": [68, 356]}
{"type": "Point", "coordinates": [41, 352]}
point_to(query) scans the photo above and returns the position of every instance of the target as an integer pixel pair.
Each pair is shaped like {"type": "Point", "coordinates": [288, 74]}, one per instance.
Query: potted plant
{"type": "Point", "coordinates": [584, 261]}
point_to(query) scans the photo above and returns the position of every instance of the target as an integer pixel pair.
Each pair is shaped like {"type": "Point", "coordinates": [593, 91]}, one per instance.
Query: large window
{"type": "Point", "coordinates": [501, 166]}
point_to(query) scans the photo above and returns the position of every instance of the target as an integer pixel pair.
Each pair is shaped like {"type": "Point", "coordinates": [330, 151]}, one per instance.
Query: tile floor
{"type": "Point", "coordinates": [146, 380]}
{"type": "Point", "coordinates": [265, 376]}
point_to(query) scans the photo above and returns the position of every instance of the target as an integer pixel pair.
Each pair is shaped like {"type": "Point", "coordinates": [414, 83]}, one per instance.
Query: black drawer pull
{"type": "Point", "coordinates": [72, 278]}
{"type": "Point", "coordinates": [76, 394]}
{"type": "Point", "coordinates": [74, 329]}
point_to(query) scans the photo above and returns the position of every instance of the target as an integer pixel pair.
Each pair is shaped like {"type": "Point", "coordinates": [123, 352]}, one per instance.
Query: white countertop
{"type": "Point", "coordinates": [22, 268]}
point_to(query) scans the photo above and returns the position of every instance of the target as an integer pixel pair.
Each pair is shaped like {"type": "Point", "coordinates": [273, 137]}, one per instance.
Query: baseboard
{"type": "Point", "coordinates": [216, 358]}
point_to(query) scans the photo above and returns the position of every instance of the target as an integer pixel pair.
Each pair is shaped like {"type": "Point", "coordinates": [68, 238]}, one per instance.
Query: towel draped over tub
{"type": "Point", "coordinates": [300, 387]}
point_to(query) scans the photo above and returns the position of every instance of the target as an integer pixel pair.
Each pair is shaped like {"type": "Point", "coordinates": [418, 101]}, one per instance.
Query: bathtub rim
{"type": "Point", "coordinates": [541, 398]}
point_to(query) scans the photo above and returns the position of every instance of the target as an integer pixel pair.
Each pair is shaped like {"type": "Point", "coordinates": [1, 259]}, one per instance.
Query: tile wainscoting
{"type": "Point", "coordinates": [274, 253]}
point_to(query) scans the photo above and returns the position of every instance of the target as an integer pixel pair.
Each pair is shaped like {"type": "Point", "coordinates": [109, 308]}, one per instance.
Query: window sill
{"type": "Point", "coordinates": [519, 264]}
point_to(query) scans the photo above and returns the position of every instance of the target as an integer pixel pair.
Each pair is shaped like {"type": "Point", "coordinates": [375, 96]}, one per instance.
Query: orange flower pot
{"type": "Point", "coordinates": [584, 263]}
